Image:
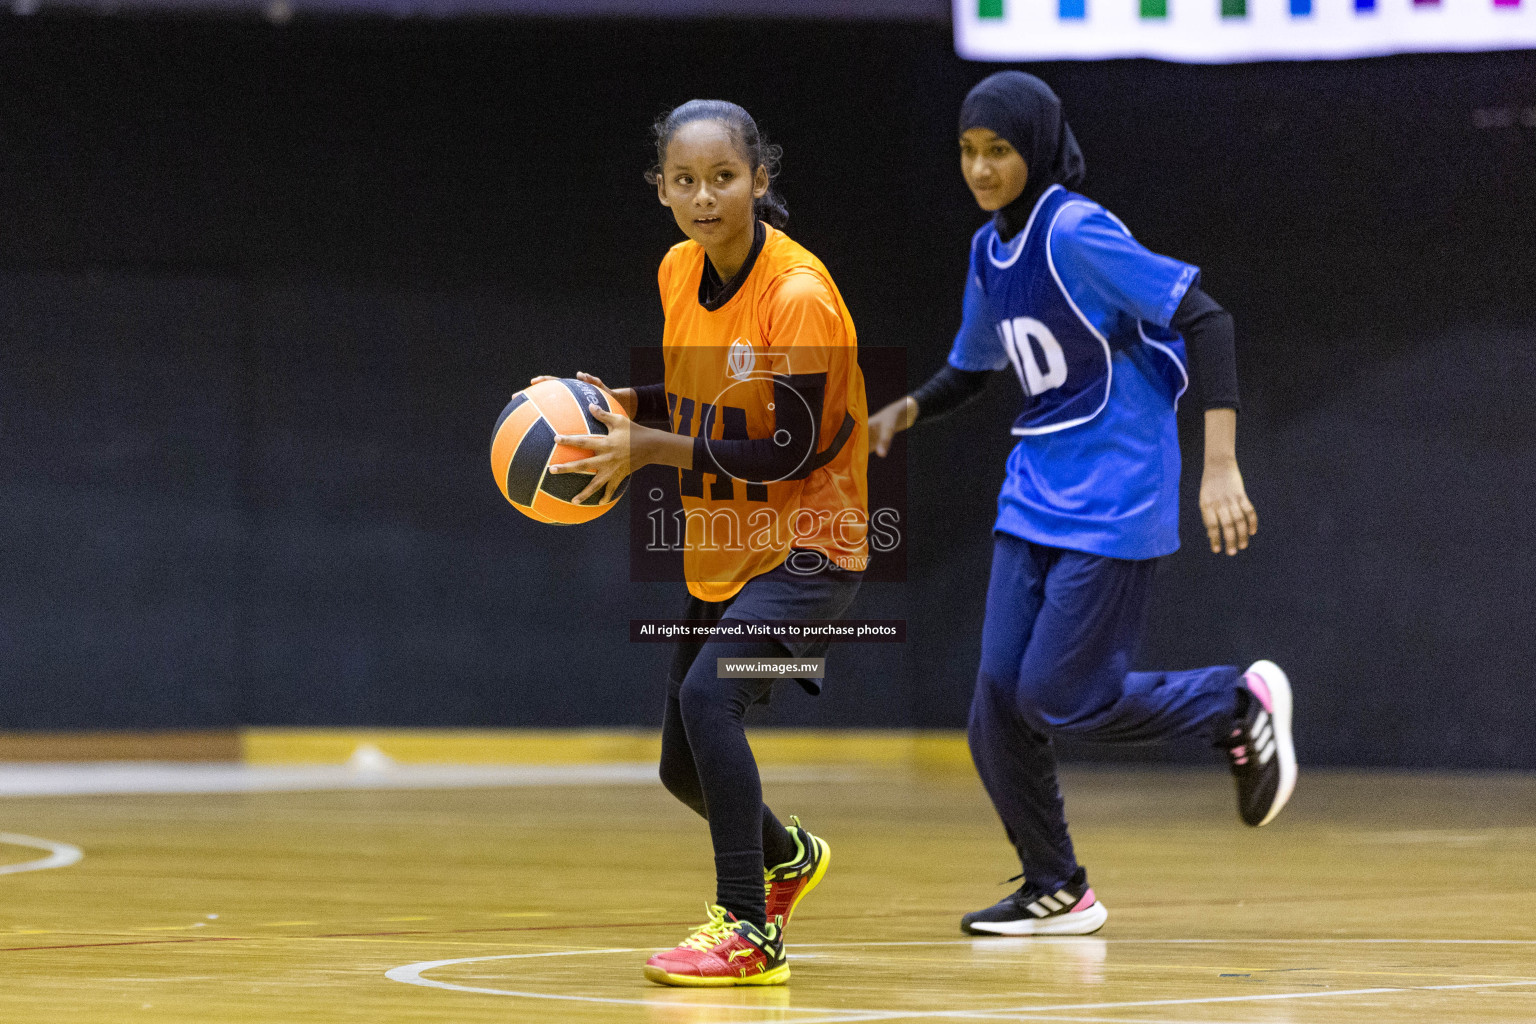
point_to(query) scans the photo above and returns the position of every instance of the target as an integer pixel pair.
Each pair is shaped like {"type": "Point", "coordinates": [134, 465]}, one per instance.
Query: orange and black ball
{"type": "Point", "coordinates": [523, 448]}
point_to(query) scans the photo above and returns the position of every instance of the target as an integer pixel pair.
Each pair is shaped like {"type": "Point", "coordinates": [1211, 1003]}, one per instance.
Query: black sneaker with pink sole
{"type": "Point", "coordinates": [1071, 909]}
{"type": "Point", "coordinates": [1259, 746]}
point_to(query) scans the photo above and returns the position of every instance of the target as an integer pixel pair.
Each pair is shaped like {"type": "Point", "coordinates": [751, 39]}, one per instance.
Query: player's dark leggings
{"type": "Point", "coordinates": [708, 765]}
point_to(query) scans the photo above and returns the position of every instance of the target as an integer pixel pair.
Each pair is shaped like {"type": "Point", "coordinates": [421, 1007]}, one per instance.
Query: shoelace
{"type": "Point", "coordinates": [1246, 739]}
{"type": "Point", "coordinates": [711, 933]}
{"type": "Point", "coordinates": [1026, 893]}
{"type": "Point", "coordinates": [1237, 748]}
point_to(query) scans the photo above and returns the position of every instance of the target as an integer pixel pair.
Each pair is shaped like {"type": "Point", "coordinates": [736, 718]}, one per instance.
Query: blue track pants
{"type": "Point", "coordinates": [1061, 631]}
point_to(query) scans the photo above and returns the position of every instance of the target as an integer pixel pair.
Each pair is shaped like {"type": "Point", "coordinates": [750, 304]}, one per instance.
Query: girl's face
{"type": "Point", "coordinates": [993, 169]}
{"type": "Point", "coordinates": [707, 184]}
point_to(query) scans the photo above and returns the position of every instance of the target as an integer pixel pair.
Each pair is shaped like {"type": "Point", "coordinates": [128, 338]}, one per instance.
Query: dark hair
{"type": "Point", "coordinates": [756, 148]}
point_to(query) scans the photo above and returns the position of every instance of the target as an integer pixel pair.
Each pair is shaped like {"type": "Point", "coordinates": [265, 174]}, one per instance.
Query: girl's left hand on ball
{"type": "Point", "coordinates": [610, 460]}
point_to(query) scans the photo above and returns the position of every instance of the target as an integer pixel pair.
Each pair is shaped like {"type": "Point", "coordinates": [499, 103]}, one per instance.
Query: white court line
{"type": "Point", "coordinates": [1027, 1013]}
{"type": "Point", "coordinates": [1026, 941]}
{"type": "Point", "coordinates": [1313, 942]}
{"type": "Point", "coordinates": [60, 855]}
{"type": "Point", "coordinates": [154, 778]}
{"type": "Point", "coordinates": [411, 974]}
{"type": "Point", "coordinates": [1074, 1019]}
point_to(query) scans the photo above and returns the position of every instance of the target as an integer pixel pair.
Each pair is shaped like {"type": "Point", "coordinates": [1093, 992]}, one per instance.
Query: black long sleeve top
{"type": "Point", "coordinates": [1209, 338]}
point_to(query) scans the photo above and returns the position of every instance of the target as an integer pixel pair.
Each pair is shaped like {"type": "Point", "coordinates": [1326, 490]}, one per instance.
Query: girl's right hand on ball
{"type": "Point", "coordinates": [624, 397]}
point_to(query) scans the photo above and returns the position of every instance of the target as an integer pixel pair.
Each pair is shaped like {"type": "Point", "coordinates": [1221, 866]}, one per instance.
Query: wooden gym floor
{"type": "Point", "coordinates": [1377, 897]}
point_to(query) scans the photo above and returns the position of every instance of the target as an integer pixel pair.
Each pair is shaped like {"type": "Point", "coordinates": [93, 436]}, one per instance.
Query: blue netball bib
{"type": "Point", "coordinates": [1080, 311]}
{"type": "Point", "coordinates": [1062, 363]}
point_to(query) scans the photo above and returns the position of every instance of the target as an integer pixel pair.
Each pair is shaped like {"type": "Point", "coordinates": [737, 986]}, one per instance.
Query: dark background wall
{"type": "Point", "coordinates": [263, 291]}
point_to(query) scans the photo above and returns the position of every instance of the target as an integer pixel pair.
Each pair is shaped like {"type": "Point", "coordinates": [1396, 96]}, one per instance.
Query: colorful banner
{"type": "Point", "coordinates": [1223, 31]}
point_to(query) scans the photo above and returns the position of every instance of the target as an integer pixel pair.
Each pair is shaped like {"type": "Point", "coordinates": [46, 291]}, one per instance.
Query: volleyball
{"type": "Point", "coordinates": [523, 448]}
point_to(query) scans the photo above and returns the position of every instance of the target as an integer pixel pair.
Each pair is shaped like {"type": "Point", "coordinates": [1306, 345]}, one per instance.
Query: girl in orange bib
{"type": "Point", "coordinates": [767, 425]}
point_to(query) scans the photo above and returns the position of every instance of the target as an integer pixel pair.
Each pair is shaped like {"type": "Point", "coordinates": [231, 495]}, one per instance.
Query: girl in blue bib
{"type": "Point", "coordinates": [1101, 334]}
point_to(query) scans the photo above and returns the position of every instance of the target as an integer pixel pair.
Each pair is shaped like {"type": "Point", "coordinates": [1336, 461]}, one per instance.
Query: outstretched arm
{"type": "Point", "coordinates": [943, 393]}
{"type": "Point", "coordinates": [973, 358]}
{"type": "Point", "coordinates": [891, 420]}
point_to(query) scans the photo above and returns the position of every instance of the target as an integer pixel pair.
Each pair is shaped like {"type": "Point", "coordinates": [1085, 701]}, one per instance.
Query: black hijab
{"type": "Point", "coordinates": [1024, 110]}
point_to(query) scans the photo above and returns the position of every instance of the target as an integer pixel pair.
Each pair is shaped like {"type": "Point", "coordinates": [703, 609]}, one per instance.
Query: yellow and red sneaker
{"type": "Point", "coordinates": [724, 951]}
{"type": "Point", "coordinates": [785, 885]}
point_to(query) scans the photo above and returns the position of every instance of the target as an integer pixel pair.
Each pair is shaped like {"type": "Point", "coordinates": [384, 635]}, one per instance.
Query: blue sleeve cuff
{"type": "Point", "coordinates": [1180, 288]}
{"type": "Point", "coordinates": [1095, 254]}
